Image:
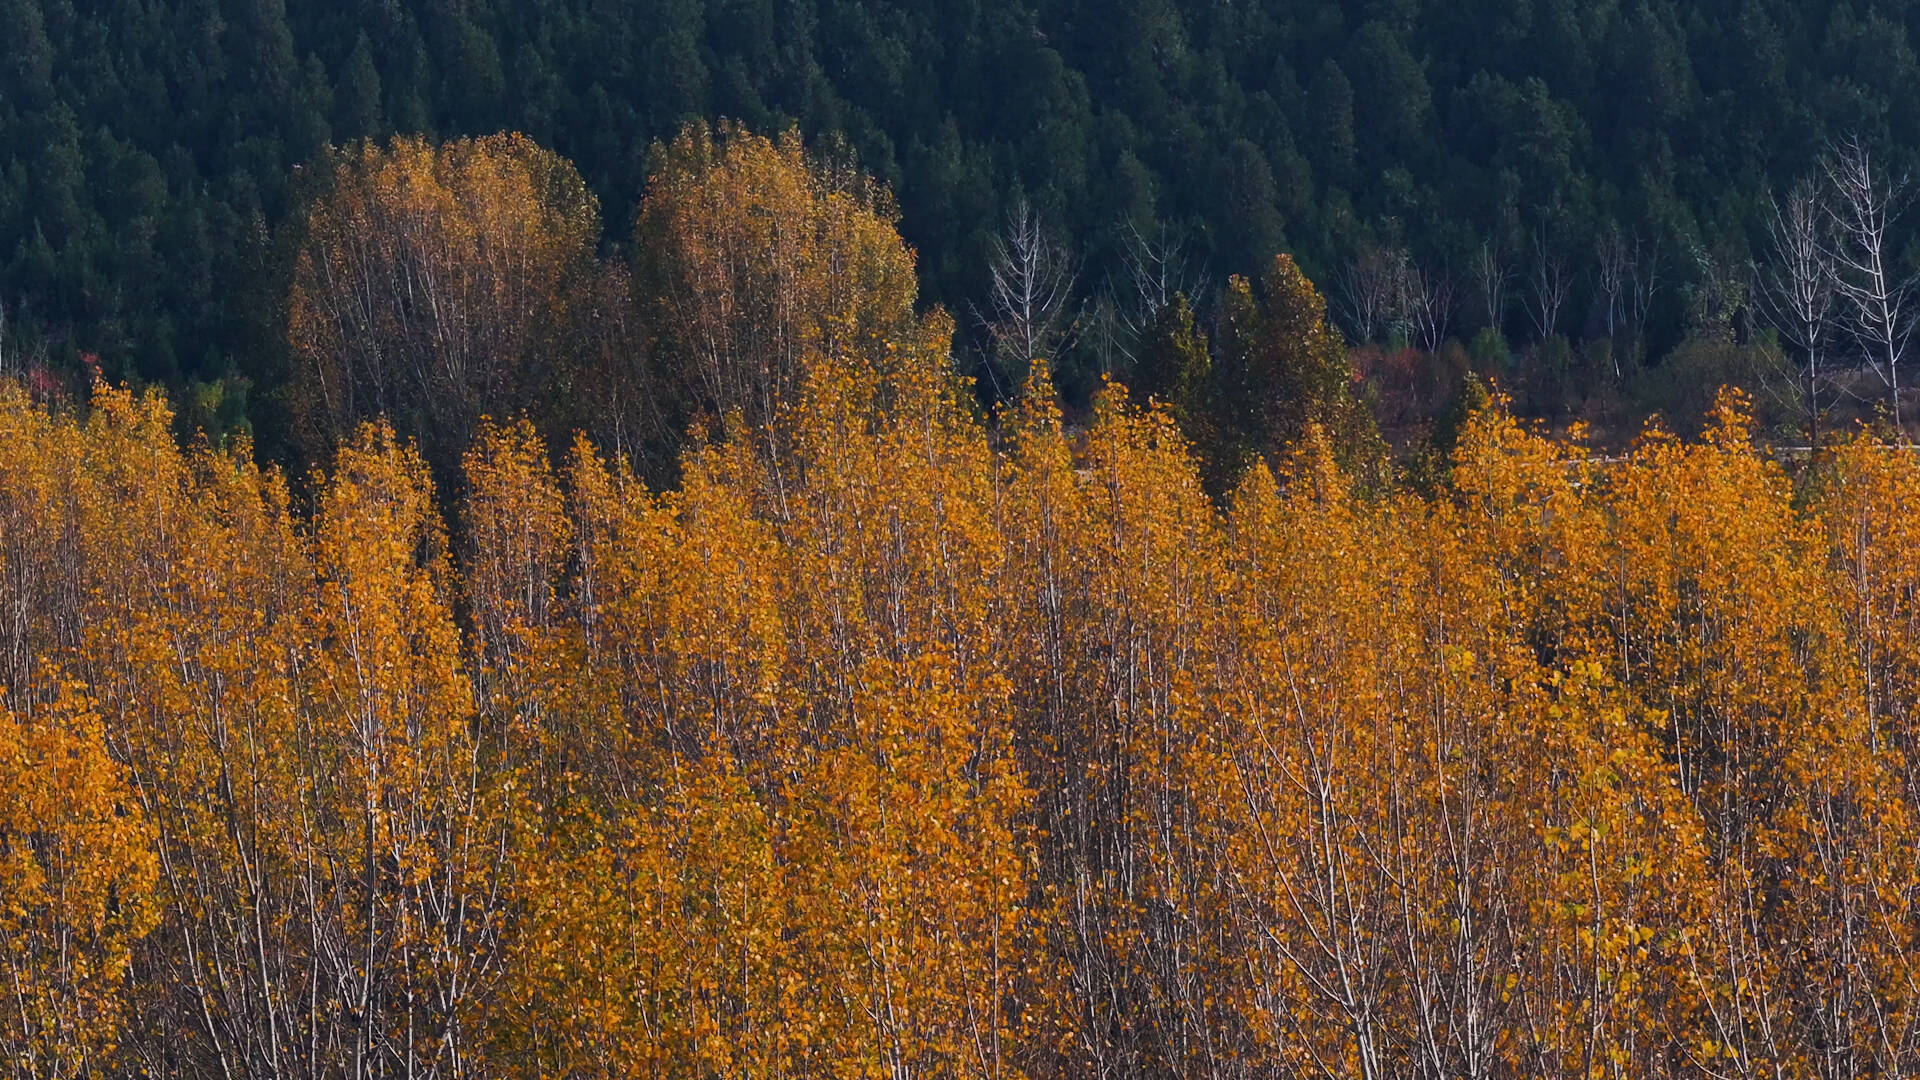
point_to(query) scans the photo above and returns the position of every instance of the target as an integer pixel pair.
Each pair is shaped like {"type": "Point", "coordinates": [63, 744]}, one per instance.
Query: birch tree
{"type": "Point", "coordinates": [1549, 283]}
{"type": "Point", "coordinates": [1030, 314]}
{"type": "Point", "coordinates": [432, 283]}
{"type": "Point", "coordinates": [1798, 286]}
{"type": "Point", "coordinates": [1878, 295]}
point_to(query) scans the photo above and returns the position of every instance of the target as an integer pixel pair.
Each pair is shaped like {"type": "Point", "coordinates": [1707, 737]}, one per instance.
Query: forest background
{"type": "Point", "coordinates": [1589, 180]}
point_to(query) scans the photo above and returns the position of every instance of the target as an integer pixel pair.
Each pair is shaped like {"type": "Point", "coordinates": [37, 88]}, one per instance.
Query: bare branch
{"type": "Point", "coordinates": [1866, 204]}
{"type": "Point", "coordinates": [1372, 288]}
{"type": "Point", "coordinates": [1612, 255]}
{"type": "Point", "coordinates": [1642, 285]}
{"type": "Point", "coordinates": [1549, 285]}
{"type": "Point", "coordinates": [1430, 303]}
{"type": "Point", "coordinates": [1029, 313]}
{"type": "Point", "coordinates": [1493, 275]}
{"type": "Point", "coordinates": [1796, 290]}
{"type": "Point", "coordinates": [1158, 269]}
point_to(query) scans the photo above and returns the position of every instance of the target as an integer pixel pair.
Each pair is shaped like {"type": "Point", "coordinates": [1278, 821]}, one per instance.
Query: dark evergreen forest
{"type": "Point", "coordinates": [152, 152]}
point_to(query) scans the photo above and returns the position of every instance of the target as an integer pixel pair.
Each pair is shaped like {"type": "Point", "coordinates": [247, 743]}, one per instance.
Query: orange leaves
{"type": "Point", "coordinates": [790, 838]}
{"type": "Point", "coordinates": [433, 282]}
{"type": "Point", "coordinates": [881, 748]}
{"type": "Point", "coordinates": [294, 726]}
{"type": "Point", "coordinates": [756, 262]}
{"type": "Point", "coordinates": [387, 666]}
{"type": "Point", "coordinates": [413, 799]}
{"type": "Point", "coordinates": [655, 942]}
{"type": "Point", "coordinates": [1611, 882]}
{"type": "Point", "coordinates": [77, 877]}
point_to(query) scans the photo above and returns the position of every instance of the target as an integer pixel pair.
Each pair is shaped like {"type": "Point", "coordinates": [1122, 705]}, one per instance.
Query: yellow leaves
{"type": "Point", "coordinates": [432, 282]}
{"type": "Point", "coordinates": [759, 264]}
{"type": "Point", "coordinates": [794, 840]}
{"type": "Point", "coordinates": [77, 879]}
{"type": "Point", "coordinates": [519, 534]}
{"type": "Point", "coordinates": [390, 679]}
{"type": "Point", "coordinates": [878, 746]}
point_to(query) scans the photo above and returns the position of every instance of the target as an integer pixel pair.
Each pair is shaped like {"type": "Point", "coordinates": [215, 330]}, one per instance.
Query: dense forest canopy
{"type": "Point", "coordinates": [152, 154]}
{"type": "Point", "coordinates": [886, 747]}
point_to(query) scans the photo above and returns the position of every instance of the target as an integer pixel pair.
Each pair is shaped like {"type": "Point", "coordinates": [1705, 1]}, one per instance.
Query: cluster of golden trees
{"type": "Point", "coordinates": [892, 744]}
{"type": "Point", "coordinates": [434, 284]}
{"type": "Point", "coordinates": [914, 756]}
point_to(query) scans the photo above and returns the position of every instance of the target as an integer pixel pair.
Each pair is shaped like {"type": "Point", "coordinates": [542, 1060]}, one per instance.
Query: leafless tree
{"type": "Point", "coordinates": [1111, 333]}
{"type": "Point", "coordinates": [20, 354]}
{"type": "Point", "coordinates": [1373, 290]}
{"type": "Point", "coordinates": [1611, 255]}
{"type": "Point", "coordinates": [1491, 272]}
{"type": "Point", "coordinates": [1155, 268]}
{"type": "Point", "coordinates": [1158, 269]}
{"type": "Point", "coordinates": [1796, 289]}
{"type": "Point", "coordinates": [1616, 269]}
{"type": "Point", "coordinates": [1430, 305]}
{"type": "Point", "coordinates": [1642, 285]}
{"type": "Point", "coordinates": [9, 354]}
{"type": "Point", "coordinates": [1549, 284]}
{"type": "Point", "coordinates": [1878, 299]}
{"type": "Point", "coordinates": [1029, 305]}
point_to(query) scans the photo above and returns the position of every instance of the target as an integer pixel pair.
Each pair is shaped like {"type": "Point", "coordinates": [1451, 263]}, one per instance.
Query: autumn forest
{"type": "Point", "coordinates": [767, 700]}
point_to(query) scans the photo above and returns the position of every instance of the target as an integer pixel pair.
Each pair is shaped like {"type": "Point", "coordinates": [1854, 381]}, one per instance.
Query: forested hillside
{"type": "Point", "coordinates": [153, 156]}
{"type": "Point", "coordinates": [753, 702]}
{"type": "Point", "coordinates": [1104, 541]}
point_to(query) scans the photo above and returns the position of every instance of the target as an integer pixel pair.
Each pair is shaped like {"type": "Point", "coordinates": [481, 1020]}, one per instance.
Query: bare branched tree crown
{"type": "Point", "coordinates": [1550, 283]}
{"type": "Point", "coordinates": [1030, 310]}
{"type": "Point", "coordinates": [1876, 296]}
{"type": "Point", "coordinates": [1796, 291]}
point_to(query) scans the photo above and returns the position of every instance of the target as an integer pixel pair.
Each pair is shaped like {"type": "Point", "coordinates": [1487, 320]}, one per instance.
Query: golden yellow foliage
{"type": "Point", "coordinates": [76, 889]}
{"type": "Point", "coordinates": [433, 283]}
{"type": "Point", "coordinates": [754, 259]}
{"type": "Point", "coordinates": [886, 744]}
